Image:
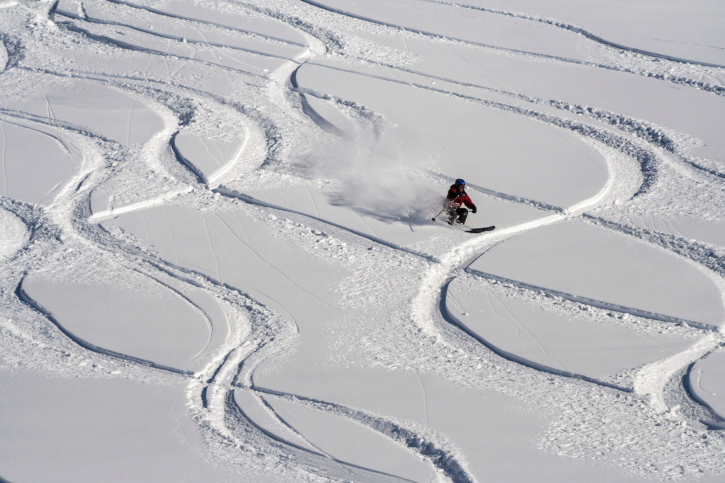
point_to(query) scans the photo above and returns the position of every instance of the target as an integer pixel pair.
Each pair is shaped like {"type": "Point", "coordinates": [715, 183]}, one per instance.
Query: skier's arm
{"type": "Point", "coordinates": [450, 199]}
{"type": "Point", "coordinates": [467, 201]}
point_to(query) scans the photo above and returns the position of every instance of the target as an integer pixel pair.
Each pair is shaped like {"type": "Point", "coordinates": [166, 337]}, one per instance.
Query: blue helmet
{"type": "Point", "coordinates": [460, 182]}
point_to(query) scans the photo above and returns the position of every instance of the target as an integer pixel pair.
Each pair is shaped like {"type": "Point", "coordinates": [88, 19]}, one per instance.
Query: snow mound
{"type": "Point", "coordinates": [13, 236]}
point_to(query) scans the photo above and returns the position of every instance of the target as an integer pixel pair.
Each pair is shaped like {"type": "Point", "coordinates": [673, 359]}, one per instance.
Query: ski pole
{"type": "Point", "coordinates": [434, 218]}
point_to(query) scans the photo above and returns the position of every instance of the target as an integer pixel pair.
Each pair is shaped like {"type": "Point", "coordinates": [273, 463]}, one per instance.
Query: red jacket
{"type": "Point", "coordinates": [457, 198]}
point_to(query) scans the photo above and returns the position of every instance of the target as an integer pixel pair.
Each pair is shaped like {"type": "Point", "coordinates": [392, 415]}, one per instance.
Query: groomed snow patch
{"type": "Point", "coordinates": [562, 344]}
{"type": "Point", "coordinates": [92, 107]}
{"type": "Point", "coordinates": [158, 326]}
{"type": "Point", "coordinates": [585, 260]}
{"type": "Point", "coordinates": [37, 162]}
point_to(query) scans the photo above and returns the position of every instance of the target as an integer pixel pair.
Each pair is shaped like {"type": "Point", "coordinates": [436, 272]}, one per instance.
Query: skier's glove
{"type": "Point", "coordinates": [474, 209]}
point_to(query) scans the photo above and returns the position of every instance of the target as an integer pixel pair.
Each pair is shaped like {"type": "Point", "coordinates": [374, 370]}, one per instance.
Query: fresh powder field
{"type": "Point", "coordinates": [224, 254]}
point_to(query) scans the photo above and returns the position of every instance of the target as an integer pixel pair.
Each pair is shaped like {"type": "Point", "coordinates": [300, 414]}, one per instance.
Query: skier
{"type": "Point", "coordinates": [457, 196]}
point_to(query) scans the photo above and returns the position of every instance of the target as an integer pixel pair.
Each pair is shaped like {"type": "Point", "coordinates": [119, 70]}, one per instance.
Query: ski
{"type": "Point", "coordinates": [471, 230]}
{"type": "Point", "coordinates": [481, 230]}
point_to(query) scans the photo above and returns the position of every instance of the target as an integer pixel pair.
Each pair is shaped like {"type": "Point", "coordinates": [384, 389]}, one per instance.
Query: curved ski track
{"type": "Point", "coordinates": [719, 90]}
{"type": "Point", "coordinates": [572, 28]}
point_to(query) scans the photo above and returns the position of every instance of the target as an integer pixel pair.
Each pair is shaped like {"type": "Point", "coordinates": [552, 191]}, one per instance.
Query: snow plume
{"type": "Point", "coordinates": [377, 176]}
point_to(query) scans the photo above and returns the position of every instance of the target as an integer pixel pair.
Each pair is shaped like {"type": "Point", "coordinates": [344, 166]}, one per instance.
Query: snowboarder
{"type": "Point", "coordinates": [457, 196]}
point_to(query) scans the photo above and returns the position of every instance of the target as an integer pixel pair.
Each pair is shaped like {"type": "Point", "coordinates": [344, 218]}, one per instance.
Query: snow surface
{"type": "Point", "coordinates": [152, 323]}
{"type": "Point", "coordinates": [559, 344]}
{"type": "Point", "coordinates": [217, 258]}
{"type": "Point", "coordinates": [93, 107]}
{"type": "Point", "coordinates": [210, 158]}
{"type": "Point", "coordinates": [668, 28]}
{"type": "Point", "coordinates": [582, 260]}
{"type": "Point", "coordinates": [109, 429]}
{"type": "Point", "coordinates": [37, 163]}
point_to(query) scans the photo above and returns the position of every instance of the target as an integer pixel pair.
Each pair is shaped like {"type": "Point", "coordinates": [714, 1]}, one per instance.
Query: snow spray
{"type": "Point", "coordinates": [379, 174]}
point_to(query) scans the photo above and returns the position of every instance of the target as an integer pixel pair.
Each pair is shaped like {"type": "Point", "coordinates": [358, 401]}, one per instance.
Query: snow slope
{"type": "Point", "coordinates": [217, 259]}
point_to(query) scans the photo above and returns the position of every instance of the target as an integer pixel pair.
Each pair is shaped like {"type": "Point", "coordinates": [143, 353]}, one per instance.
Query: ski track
{"type": "Point", "coordinates": [449, 318]}
{"type": "Point", "coordinates": [572, 28]}
{"type": "Point", "coordinates": [22, 295]}
{"type": "Point", "coordinates": [439, 457]}
{"type": "Point", "coordinates": [251, 200]}
{"type": "Point", "coordinates": [196, 20]}
{"type": "Point", "coordinates": [651, 379]}
{"type": "Point", "coordinates": [260, 334]}
{"type": "Point", "coordinates": [657, 136]}
{"type": "Point", "coordinates": [597, 303]}
{"type": "Point", "coordinates": [718, 90]}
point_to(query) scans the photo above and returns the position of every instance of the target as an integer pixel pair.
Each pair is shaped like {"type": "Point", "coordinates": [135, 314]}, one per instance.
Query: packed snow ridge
{"type": "Point", "coordinates": [218, 260]}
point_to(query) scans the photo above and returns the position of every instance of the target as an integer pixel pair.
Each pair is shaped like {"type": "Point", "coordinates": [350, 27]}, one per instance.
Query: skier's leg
{"type": "Point", "coordinates": [462, 215]}
{"type": "Point", "coordinates": [451, 215]}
